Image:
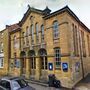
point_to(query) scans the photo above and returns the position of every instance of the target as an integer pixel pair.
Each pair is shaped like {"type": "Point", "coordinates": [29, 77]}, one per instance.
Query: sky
{"type": "Point", "coordinates": [12, 11]}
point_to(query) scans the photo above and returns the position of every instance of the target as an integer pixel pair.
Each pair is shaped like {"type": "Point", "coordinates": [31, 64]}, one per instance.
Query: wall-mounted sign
{"type": "Point", "coordinates": [65, 67]}
{"type": "Point", "coordinates": [50, 66]}
{"type": "Point", "coordinates": [17, 63]}
{"type": "Point", "coordinates": [77, 66]}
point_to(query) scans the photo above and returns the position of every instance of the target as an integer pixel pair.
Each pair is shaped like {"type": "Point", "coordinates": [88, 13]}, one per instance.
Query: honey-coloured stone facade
{"type": "Point", "coordinates": [45, 43]}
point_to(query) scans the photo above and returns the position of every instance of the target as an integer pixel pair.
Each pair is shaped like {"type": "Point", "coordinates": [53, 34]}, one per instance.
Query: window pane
{"type": "Point", "coordinates": [42, 33]}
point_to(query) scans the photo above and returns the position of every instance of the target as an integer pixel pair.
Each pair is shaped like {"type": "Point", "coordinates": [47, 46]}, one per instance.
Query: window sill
{"type": "Point", "coordinates": [1, 67]}
{"type": "Point", "coordinates": [57, 68]}
{"type": "Point", "coordinates": [56, 38]}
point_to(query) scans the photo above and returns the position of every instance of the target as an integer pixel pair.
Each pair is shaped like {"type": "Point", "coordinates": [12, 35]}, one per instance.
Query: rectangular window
{"type": "Point", "coordinates": [1, 62]}
{"type": "Point", "coordinates": [57, 58]}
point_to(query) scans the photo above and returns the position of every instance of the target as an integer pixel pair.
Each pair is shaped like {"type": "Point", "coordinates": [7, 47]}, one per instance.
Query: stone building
{"type": "Point", "coordinates": [50, 43]}
{"type": "Point", "coordinates": [4, 55]}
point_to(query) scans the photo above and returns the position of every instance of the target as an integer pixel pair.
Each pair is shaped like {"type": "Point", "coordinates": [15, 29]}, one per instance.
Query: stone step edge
{"type": "Point", "coordinates": [37, 82]}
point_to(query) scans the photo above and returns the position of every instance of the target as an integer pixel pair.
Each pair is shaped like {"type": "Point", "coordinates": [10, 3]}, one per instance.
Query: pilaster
{"type": "Point", "coordinates": [38, 68]}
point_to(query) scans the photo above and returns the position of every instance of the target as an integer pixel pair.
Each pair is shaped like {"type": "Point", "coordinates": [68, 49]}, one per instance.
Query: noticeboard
{"type": "Point", "coordinates": [65, 67]}
{"type": "Point", "coordinates": [50, 66]}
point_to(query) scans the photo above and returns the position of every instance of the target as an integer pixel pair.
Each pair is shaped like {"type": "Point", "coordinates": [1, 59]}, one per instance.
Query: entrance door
{"type": "Point", "coordinates": [23, 63]}
{"type": "Point", "coordinates": [32, 62]}
{"type": "Point", "coordinates": [23, 66]}
{"type": "Point", "coordinates": [43, 56]}
{"type": "Point", "coordinates": [44, 68]}
{"type": "Point", "coordinates": [33, 67]}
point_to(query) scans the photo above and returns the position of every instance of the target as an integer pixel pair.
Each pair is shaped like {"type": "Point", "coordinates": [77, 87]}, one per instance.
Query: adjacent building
{"type": "Point", "coordinates": [45, 43]}
{"type": "Point", "coordinates": [4, 55]}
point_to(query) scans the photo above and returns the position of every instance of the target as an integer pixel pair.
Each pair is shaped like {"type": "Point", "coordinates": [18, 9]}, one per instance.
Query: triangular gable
{"type": "Point", "coordinates": [30, 9]}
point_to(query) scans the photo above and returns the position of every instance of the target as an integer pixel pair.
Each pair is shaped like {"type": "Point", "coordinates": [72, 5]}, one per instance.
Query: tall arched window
{"type": "Point", "coordinates": [14, 41]}
{"type": "Point", "coordinates": [27, 31]}
{"type": "Point", "coordinates": [23, 38]}
{"type": "Point", "coordinates": [75, 39]}
{"type": "Point", "coordinates": [32, 34]}
{"type": "Point", "coordinates": [55, 29]}
{"type": "Point", "coordinates": [37, 34]}
{"type": "Point", "coordinates": [42, 33]}
{"type": "Point", "coordinates": [27, 34]}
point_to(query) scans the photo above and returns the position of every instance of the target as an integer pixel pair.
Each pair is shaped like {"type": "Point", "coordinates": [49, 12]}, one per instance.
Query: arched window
{"type": "Point", "coordinates": [23, 38]}
{"type": "Point", "coordinates": [37, 35]}
{"type": "Point", "coordinates": [27, 31]}
{"type": "Point", "coordinates": [14, 41]}
{"type": "Point", "coordinates": [37, 29]}
{"type": "Point", "coordinates": [75, 39]}
{"type": "Point", "coordinates": [55, 29]}
{"type": "Point", "coordinates": [32, 34]}
{"type": "Point", "coordinates": [31, 54]}
{"type": "Point", "coordinates": [42, 33]}
{"type": "Point", "coordinates": [31, 19]}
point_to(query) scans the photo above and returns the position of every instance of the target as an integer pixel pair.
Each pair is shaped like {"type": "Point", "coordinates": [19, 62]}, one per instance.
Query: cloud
{"type": "Point", "coordinates": [12, 11]}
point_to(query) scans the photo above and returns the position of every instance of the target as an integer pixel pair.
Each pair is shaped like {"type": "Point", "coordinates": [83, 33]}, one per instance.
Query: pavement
{"type": "Point", "coordinates": [40, 87]}
{"type": "Point", "coordinates": [82, 85]}
{"type": "Point", "coordinates": [44, 86]}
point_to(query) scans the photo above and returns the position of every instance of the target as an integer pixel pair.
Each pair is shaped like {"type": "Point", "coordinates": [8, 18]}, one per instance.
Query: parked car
{"type": "Point", "coordinates": [2, 88]}
{"type": "Point", "coordinates": [15, 83]}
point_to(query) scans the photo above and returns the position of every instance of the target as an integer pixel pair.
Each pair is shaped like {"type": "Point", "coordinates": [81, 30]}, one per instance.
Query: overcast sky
{"type": "Point", "coordinates": [12, 11]}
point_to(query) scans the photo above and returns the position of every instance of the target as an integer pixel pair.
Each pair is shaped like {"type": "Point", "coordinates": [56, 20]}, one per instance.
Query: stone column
{"type": "Point", "coordinates": [38, 68]}
{"type": "Point", "coordinates": [27, 75]}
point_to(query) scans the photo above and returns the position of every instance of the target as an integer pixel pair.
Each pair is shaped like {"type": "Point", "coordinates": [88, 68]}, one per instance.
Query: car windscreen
{"type": "Point", "coordinates": [22, 83]}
